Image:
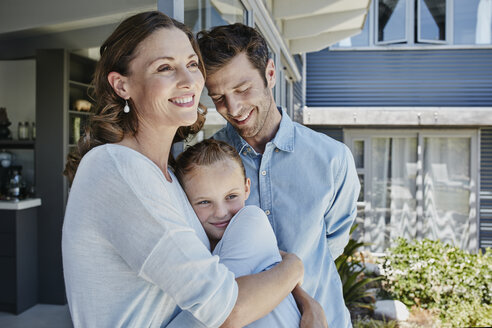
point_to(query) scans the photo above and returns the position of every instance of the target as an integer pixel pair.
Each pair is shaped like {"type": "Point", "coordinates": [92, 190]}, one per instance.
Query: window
{"type": "Point", "coordinates": [416, 184]}
{"type": "Point", "coordinates": [205, 14]}
{"type": "Point", "coordinates": [391, 21]}
{"type": "Point", "coordinates": [431, 21]}
{"type": "Point", "coordinates": [472, 21]}
{"type": "Point", "coordinates": [411, 22]}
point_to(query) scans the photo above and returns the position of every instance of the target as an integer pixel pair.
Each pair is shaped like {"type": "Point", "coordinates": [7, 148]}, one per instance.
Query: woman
{"type": "Point", "coordinates": [134, 253]}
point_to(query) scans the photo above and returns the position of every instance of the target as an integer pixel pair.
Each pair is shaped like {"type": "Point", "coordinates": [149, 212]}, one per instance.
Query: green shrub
{"type": "Point", "coordinates": [431, 274]}
{"type": "Point", "coordinates": [371, 323]}
{"type": "Point", "coordinates": [350, 268]}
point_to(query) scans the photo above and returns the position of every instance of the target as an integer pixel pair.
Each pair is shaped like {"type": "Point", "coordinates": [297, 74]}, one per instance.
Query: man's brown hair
{"type": "Point", "coordinates": [222, 43]}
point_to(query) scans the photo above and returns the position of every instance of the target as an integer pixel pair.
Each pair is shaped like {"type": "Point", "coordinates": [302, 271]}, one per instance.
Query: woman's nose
{"type": "Point", "coordinates": [186, 78]}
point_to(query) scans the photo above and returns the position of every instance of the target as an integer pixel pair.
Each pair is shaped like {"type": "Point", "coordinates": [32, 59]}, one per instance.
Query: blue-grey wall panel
{"type": "Point", "coordinates": [447, 77]}
{"type": "Point", "coordinates": [335, 133]}
{"type": "Point", "coordinates": [485, 223]}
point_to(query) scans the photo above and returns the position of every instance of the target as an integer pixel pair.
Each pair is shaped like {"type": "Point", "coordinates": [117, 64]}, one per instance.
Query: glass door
{"type": "Point", "coordinates": [416, 184]}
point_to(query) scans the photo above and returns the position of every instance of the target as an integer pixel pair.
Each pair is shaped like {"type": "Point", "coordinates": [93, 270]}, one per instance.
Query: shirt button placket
{"type": "Point", "coordinates": [265, 181]}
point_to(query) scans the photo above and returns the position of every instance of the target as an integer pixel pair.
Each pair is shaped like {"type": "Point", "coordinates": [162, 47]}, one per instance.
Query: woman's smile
{"type": "Point", "coordinates": [184, 101]}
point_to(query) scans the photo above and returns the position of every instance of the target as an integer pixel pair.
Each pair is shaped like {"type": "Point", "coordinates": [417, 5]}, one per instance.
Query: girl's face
{"type": "Point", "coordinates": [216, 193]}
{"type": "Point", "coordinates": [164, 81]}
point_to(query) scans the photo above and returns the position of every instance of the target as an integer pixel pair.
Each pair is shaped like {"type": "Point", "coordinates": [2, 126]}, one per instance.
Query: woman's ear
{"type": "Point", "coordinates": [270, 73]}
{"type": "Point", "coordinates": [119, 83]}
{"type": "Point", "coordinates": [247, 188]}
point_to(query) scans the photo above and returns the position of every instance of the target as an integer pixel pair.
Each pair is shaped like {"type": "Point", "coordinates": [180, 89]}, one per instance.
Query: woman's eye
{"type": "Point", "coordinates": [193, 64]}
{"type": "Point", "coordinates": [164, 68]}
{"type": "Point", "coordinates": [243, 90]}
{"type": "Point", "coordinates": [217, 99]}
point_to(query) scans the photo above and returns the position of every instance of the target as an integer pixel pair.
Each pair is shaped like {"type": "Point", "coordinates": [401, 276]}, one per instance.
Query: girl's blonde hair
{"type": "Point", "coordinates": [205, 153]}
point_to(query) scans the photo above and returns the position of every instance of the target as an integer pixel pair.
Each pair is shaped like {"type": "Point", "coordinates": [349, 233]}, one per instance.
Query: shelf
{"type": "Point", "coordinates": [76, 112]}
{"type": "Point", "coordinates": [17, 144]}
{"type": "Point", "coordinates": [79, 84]}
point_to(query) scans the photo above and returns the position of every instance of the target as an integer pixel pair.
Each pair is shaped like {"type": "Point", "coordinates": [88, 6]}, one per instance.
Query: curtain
{"type": "Point", "coordinates": [447, 191]}
{"type": "Point", "coordinates": [484, 22]}
{"type": "Point", "coordinates": [375, 224]}
{"type": "Point", "coordinates": [403, 221]}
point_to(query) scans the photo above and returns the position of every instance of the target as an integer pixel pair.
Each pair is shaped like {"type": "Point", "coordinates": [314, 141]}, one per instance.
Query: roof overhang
{"type": "Point", "coordinates": [398, 116]}
{"type": "Point", "coordinates": [312, 25]}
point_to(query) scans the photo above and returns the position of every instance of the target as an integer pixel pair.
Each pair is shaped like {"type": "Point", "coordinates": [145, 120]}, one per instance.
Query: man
{"type": "Point", "coordinates": [305, 181]}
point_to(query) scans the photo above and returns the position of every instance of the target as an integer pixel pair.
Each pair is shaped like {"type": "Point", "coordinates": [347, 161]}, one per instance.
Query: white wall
{"type": "Point", "coordinates": [20, 15]}
{"type": "Point", "coordinates": [18, 95]}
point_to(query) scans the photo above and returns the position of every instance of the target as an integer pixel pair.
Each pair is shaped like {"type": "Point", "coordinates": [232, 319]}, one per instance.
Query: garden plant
{"type": "Point", "coordinates": [433, 275]}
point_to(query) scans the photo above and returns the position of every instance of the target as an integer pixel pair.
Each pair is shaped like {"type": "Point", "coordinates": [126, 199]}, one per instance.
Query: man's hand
{"type": "Point", "coordinates": [313, 315]}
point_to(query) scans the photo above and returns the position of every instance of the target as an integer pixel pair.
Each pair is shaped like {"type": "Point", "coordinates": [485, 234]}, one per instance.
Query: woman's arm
{"type": "Point", "coordinates": [313, 315]}
{"type": "Point", "coordinates": [260, 293]}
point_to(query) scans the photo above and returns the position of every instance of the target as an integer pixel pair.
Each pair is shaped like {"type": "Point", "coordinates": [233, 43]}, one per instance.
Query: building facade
{"type": "Point", "coordinates": [411, 95]}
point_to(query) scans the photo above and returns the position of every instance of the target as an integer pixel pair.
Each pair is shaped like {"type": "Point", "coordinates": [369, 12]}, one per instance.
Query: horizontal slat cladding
{"type": "Point", "coordinates": [335, 133]}
{"type": "Point", "coordinates": [448, 77]}
{"type": "Point", "coordinates": [485, 226]}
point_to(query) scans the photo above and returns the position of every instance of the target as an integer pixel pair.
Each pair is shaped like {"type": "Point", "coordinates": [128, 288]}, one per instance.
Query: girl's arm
{"type": "Point", "coordinates": [260, 293]}
{"type": "Point", "coordinates": [312, 312]}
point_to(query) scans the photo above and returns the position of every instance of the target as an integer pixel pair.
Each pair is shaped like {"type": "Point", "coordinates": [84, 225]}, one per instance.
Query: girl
{"type": "Point", "coordinates": [213, 177]}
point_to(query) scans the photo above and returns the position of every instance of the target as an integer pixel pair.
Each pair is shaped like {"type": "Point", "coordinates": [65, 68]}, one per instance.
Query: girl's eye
{"type": "Point", "coordinates": [231, 197]}
{"type": "Point", "coordinates": [203, 202]}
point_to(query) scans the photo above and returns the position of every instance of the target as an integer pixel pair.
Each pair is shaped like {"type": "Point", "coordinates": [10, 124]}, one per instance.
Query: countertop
{"type": "Point", "coordinates": [19, 204]}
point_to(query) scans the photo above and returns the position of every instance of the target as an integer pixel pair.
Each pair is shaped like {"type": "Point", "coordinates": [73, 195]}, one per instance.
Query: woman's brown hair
{"type": "Point", "coordinates": [205, 153]}
{"type": "Point", "coordinates": [109, 124]}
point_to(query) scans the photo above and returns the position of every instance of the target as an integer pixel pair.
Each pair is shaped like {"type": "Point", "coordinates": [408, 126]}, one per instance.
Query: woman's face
{"type": "Point", "coordinates": [164, 81]}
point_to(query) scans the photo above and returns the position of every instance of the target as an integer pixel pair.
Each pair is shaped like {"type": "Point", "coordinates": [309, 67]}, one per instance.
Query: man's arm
{"type": "Point", "coordinates": [342, 211]}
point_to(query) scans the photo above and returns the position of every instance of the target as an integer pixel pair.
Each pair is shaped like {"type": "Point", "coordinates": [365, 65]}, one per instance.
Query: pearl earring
{"type": "Point", "coordinates": [126, 109]}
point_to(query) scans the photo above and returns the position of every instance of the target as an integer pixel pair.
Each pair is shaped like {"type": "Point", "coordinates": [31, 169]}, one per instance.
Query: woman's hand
{"type": "Point", "coordinates": [313, 315]}
{"type": "Point", "coordinates": [296, 260]}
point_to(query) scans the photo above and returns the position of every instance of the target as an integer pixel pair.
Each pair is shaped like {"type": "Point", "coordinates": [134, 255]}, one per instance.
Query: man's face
{"type": "Point", "coordinates": [239, 93]}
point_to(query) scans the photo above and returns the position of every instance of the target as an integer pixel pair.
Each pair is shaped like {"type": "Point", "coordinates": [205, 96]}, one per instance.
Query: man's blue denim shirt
{"type": "Point", "coordinates": [307, 184]}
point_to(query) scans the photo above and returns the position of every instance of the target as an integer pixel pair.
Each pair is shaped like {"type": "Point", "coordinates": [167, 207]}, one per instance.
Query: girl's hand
{"type": "Point", "coordinates": [313, 315]}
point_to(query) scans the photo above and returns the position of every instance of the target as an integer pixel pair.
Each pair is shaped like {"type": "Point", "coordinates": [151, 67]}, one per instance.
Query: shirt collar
{"type": "Point", "coordinates": [283, 140]}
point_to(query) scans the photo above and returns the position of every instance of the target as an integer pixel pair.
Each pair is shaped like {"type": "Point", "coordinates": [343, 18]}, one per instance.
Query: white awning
{"type": "Point", "coordinates": [312, 25]}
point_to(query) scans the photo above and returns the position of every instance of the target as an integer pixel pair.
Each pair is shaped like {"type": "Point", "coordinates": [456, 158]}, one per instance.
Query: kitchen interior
{"type": "Point", "coordinates": [47, 57]}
